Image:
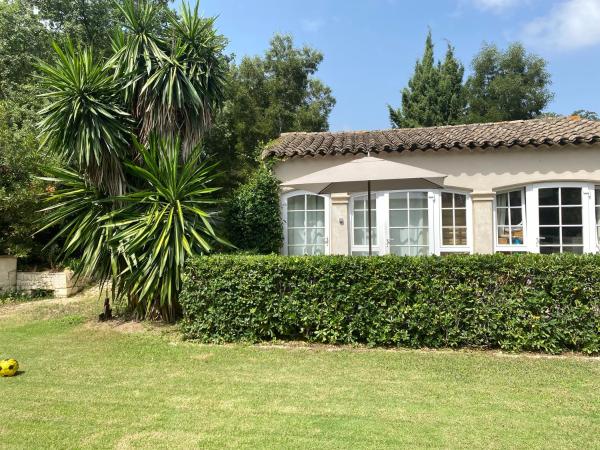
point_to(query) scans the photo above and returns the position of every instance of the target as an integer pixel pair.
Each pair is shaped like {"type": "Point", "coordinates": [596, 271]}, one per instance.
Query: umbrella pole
{"type": "Point", "coordinates": [369, 217]}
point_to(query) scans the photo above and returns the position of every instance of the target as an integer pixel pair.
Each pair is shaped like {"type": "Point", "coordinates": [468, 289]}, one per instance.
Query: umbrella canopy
{"type": "Point", "coordinates": [355, 175]}
{"type": "Point", "coordinates": [367, 174]}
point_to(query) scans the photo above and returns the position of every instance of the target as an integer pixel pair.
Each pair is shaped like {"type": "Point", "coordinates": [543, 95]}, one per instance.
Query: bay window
{"type": "Point", "coordinates": [410, 223]}
{"type": "Point", "coordinates": [561, 217]}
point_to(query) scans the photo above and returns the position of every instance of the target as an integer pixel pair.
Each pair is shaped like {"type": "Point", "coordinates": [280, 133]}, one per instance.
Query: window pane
{"type": "Point", "coordinates": [503, 235]}
{"type": "Point", "coordinates": [296, 203]}
{"type": "Point", "coordinates": [597, 196]}
{"type": "Point", "coordinates": [549, 235]}
{"type": "Point", "coordinates": [360, 237]}
{"type": "Point", "coordinates": [360, 219]}
{"type": "Point", "coordinates": [360, 203]}
{"type": "Point", "coordinates": [419, 251]}
{"type": "Point", "coordinates": [418, 236]}
{"type": "Point", "coordinates": [418, 218]}
{"type": "Point", "coordinates": [460, 217]}
{"type": "Point", "coordinates": [447, 218]}
{"type": "Point", "coordinates": [549, 216]}
{"type": "Point", "coordinates": [502, 200]}
{"type": "Point", "coordinates": [572, 235]}
{"type": "Point", "coordinates": [315, 202]}
{"type": "Point", "coordinates": [460, 201]}
{"type": "Point", "coordinates": [316, 236]}
{"type": "Point", "coordinates": [460, 236]}
{"type": "Point", "coordinates": [516, 216]}
{"type": "Point", "coordinates": [597, 215]}
{"type": "Point", "coordinates": [399, 236]}
{"type": "Point", "coordinates": [318, 250]}
{"type": "Point", "coordinates": [572, 216]}
{"type": "Point", "coordinates": [398, 218]}
{"type": "Point", "coordinates": [447, 200]}
{"type": "Point", "coordinates": [401, 251]}
{"type": "Point", "coordinates": [296, 236]}
{"type": "Point", "coordinates": [315, 219]}
{"type": "Point", "coordinates": [517, 236]}
{"type": "Point", "coordinates": [548, 196]}
{"type": "Point", "coordinates": [296, 250]}
{"type": "Point", "coordinates": [502, 216]}
{"type": "Point", "coordinates": [516, 198]}
{"type": "Point", "coordinates": [577, 250]}
{"type": "Point", "coordinates": [447, 236]}
{"type": "Point", "coordinates": [548, 250]}
{"type": "Point", "coordinates": [398, 200]}
{"type": "Point", "coordinates": [418, 199]}
{"type": "Point", "coordinates": [296, 219]}
{"type": "Point", "coordinates": [570, 196]}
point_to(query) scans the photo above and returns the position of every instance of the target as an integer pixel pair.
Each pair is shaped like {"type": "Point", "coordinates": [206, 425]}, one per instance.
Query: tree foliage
{"type": "Point", "coordinates": [134, 211]}
{"type": "Point", "coordinates": [266, 96]}
{"type": "Point", "coordinates": [504, 85]}
{"type": "Point", "coordinates": [507, 85]}
{"type": "Point", "coordinates": [253, 214]}
{"type": "Point", "coordinates": [435, 93]}
{"type": "Point", "coordinates": [20, 190]}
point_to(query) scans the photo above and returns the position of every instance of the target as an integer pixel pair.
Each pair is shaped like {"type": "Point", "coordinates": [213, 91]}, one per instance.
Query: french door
{"type": "Point", "coordinates": [561, 218]}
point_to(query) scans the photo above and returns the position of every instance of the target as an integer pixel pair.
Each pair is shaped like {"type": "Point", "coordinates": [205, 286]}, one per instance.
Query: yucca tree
{"type": "Point", "coordinates": [175, 76]}
{"type": "Point", "coordinates": [136, 199]}
{"type": "Point", "coordinates": [84, 121]}
{"type": "Point", "coordinates": [162, 223]}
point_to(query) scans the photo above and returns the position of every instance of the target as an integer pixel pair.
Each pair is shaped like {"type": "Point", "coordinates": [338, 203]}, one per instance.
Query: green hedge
{"type": "Point", "coordinates": [516, 303]}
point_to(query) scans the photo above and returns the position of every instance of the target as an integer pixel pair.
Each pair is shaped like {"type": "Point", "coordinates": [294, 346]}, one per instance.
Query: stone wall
{"type": "Point", "coordinates": [8, 272]}
{"type": "Point", "coordinates": [63, 284]}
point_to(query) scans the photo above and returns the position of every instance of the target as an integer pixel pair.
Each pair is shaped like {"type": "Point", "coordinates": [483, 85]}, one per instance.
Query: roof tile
{"type": "Point", "coordinates": [536, 132]}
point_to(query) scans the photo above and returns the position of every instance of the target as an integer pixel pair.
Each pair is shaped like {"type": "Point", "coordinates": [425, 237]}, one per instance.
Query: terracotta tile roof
{"type": "Point", "coordinates": [550, 131]}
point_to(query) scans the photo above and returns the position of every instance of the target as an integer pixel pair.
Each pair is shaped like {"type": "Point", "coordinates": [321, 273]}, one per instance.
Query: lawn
{"type": "Point", "coordinates": [89, 385]}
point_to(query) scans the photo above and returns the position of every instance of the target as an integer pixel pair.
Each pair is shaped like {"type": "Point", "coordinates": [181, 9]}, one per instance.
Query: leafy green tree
{"type": "Point", "coordinates": [266, 96]}
{"type": "Point", "coordinates": [586, 114]}
{"type": "Point", "coordinates": [23, 40]}
{"type": "Point", "coordinates": [20, 190]}
{"type": "Point", "coordinates": [435, 93]}
{"type": "Point", "coordinates": [253, 215]}
{"type": "Point", "coordinates": [507, 85]}
{"type": "Point", "coordinates": [135, 211]}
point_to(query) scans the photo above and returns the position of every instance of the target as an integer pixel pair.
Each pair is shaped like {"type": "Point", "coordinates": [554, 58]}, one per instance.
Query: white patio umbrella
{"type": "Point", "coordinates": [367, 174]}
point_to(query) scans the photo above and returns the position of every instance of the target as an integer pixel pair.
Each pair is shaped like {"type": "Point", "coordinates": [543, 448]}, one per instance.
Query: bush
{"type": "Point", "coordinates": [515, 303]}
{"type": "Point", "coordinates": [253, 215]}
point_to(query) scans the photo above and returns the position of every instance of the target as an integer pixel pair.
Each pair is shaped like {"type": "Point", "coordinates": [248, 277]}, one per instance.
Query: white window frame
{"type": "Point", "coordinates": [439, 246]}
{"type": "Point", "coordinates": [379, 206]}
{"type": "Point", "coordinates": [524, 247]}
{"type": "Point", "coordinates": [284, 215]}
{"type": "Point", "coordinates": [590, 244]}
{"type": "Point", "coordinates": [430, 219]}
{"type": "Point", "coordinates": [434, 208]}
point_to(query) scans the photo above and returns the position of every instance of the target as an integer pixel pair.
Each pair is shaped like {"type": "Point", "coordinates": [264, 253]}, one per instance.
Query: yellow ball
{"type": "Point", "coordinates": [8, 367]}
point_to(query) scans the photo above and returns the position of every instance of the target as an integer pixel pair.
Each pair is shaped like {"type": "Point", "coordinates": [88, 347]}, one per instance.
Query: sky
{"type": "Point", "coordinates": [370, 46]}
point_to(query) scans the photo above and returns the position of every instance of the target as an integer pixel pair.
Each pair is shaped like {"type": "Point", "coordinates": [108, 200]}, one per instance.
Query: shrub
{"type": "Point", "coordinates": [253, 215]}
{"type": "Point", "coordinates": [515, 303]}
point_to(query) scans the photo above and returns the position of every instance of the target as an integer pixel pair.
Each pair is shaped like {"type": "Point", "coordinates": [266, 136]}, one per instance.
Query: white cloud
{"type": "Point", "coordinates": [312, 25]}
{"type": "Point", "coordinates": [569, 25]}
{"type": "Point", "coordinates": [495, 5]}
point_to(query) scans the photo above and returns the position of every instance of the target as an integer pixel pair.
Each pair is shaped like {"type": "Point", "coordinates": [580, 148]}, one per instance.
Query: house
{"type": "Point", "coordinates": [519, 186]}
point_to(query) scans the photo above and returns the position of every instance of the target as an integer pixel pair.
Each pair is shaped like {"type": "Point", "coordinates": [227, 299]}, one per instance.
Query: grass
{"type": "Point", "coordinates": [86, 385]}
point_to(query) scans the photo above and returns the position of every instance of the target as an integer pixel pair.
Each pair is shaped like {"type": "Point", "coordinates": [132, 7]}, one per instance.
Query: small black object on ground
{"type": "Point", "coordinates": [107, 314]}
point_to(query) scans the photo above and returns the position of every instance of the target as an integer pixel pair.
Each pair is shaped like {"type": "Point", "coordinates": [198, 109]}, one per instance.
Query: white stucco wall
{"type": "Point", "coordinates": [482, 172]}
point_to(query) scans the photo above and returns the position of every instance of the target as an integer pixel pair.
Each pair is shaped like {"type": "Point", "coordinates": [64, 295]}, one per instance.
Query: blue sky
{"type": "Point", "coordinates": [370, 46]}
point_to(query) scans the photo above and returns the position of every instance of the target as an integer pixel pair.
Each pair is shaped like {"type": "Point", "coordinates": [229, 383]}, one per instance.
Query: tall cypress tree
{"type": "Point", "coordinates": [435, 93]}
{"type": "Point", "coordinates": [452, 96]}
